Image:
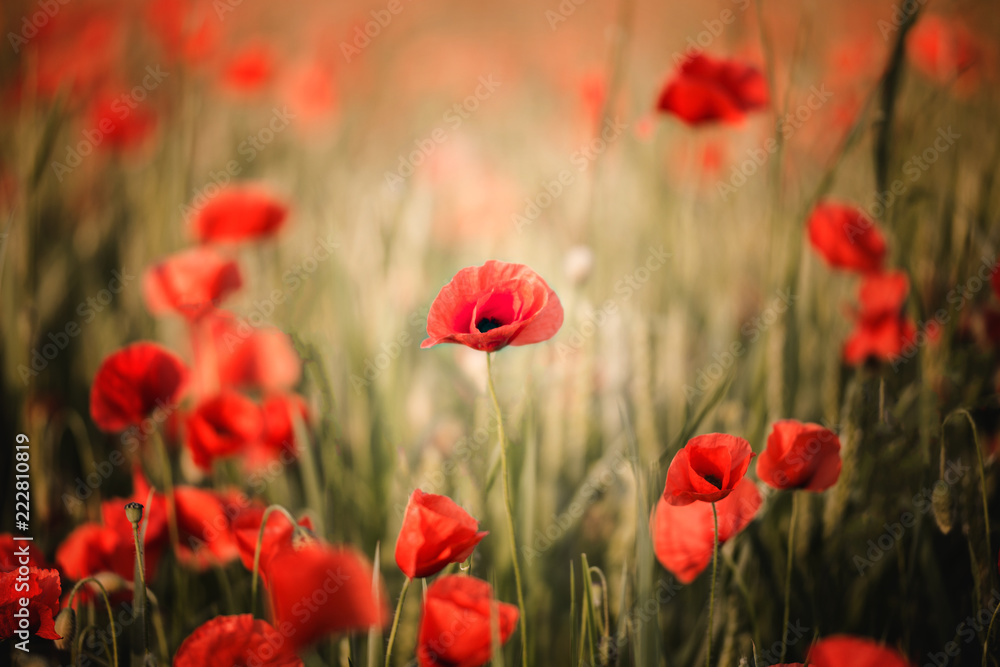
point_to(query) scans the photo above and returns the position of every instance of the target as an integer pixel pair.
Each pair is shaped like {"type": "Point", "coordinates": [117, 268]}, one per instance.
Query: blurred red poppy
{"type": "Point", "coordinates": [204, 525]}
{"type": "Point", "coordinates": [846, 238]}
{"type": "Point", "coordinates": [239, 213]}
{"type": "Point", "coordinates": [277, 441]}
{"type": "Point", "coordinates": [455, 630]}
{"type": "Point", "coordinates": [707, 90]}
{"type": "Point", "coordinates": [190, 283]}
{"type": "Point", "coordinates": [942, 49]}
{"type": "Point", "coordinates": [132, 382]}
{"type": "Point", "coordinates": [995, 278]}
{"type": "Point", "coordinates": [120, 126]}
{"type": "Point", "coordinates": [435, 532]}
{"type": "Point", "coordinates": [236, 640]}
{"type": "Point", "coordinates": [277, 535]}
{"type": "Point", "coordinates": [318, 590]}
{"type": "Point", "coordinates": [684, 536]}
{"type": "Point", "coordinates": [881, 330]}
{"type": "Point", "coordinates": [262, 359]}
{"type": "Point", "coordinates": [707, 469]}
{"type": "Point", "coordinates": [800, 456]}
{"type": "Point", "coordinates": [854, 651]}
{"type": "Point", "coordinates": [43, 590]}
{"type": "Point", "coordinates": [494, 305]}
{"type": "Point", "coordinates": [221, 426]}
{"type": "Point", "coordinates": [249, 70]}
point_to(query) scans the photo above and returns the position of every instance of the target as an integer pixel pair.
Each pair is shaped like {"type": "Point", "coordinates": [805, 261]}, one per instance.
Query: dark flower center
{"type": "Point", "coordinates": [488, 324]}
{"type": "Point", "coordinates": [714, 481]}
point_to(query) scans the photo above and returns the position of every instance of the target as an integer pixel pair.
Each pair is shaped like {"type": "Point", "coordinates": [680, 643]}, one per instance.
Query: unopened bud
{"type": "Point", "coordinates": [941, 502]}
{"type": "Point", "coordinates": [65, 625]}
{"type": "Point", "coordinates": [113, 583]}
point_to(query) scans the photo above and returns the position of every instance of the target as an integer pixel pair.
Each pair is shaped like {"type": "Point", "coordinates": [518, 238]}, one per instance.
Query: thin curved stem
{"type": "Point", "coordinates": [260, 542]}
{"type": "Point", "coordinates": [989, 633]}
{"type": "Point", "coordinates": [395, 621]}
{"type": "Point", "coordinates": [711, 598]}
{"type": "Point", "coordinates": [982, 468]}
{"type": "Point", "coordinates": [107, 605]}
{"type": "Point", "coordinates": [788, 578]}
{"type": "Point", "coordinates": [509, 509]}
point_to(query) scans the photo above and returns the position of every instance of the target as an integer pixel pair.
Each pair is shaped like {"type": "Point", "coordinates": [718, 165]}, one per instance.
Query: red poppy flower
{"type": "Point", "coordinates": [435, 532]}
{"type": "Point", "coordinates": [846, 238]}
{"type": "Point", "coordinates": [335, 583]}
{"type": "Point", "coordinates": [120, 126]}
{"type": "Point", "coordinates": [684, 535]}
{"type": "Point", "coordinates": [249, 70]}
{"type": "Point", "coordinates": [882, 339]}
{"type": "Point", "coordinates": [222, 426]}
{"type": "Point", "coordinates": [236, 640]}
{"type": "Point", "coordinates": [11, 553]}
{"type": "Point", "coordinates": [190, 282]}
{"type": "Point", "coordinates": [800, 456]}
{"type": "Point", "coordinates": [278, 534]}
{"type": "Point", "coordinates": [854, 651]}
{"type": "Point", "coordinates": [995, 277]}
{"type": "Point", "coordinates": [455, 630]}
{"type": "Point", "coordinates": [263, 359]}
{"type": "Point", "coordinates": [883, 294]}
{"type": "Point", "coordinates": [237, 214]}
{"type": "Point", "coordinates": [204, 524]}
{"type": "Point", "coordinates": [43, 603]}
{"type": "Point", "coordinates": [132, 382]}
{"type": "Point", "coordinates": [707, 468]}
{"type": "Point", "coordinates": [494, 305]}
{"type": "Point", "coordinates": [277, 441]}
{"type": "Point", "coordinates": [941, 49]}
{"type": "Point", "coordinates": [708, 90]}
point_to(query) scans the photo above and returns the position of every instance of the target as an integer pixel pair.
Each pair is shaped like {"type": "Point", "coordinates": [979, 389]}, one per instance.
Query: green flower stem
{"type": "Point", "coordinates": [260, 543]}
{"type": "Point", "coordinates": [509, 508]}
{"type": "Point", "coordinates": [788, 578]}
{"type": "Point", "coordinates": [711, 598]}
{"type": "Point", "coordinates": [107, 605]}
{"type": "Point", "coordinates": [395, 621]}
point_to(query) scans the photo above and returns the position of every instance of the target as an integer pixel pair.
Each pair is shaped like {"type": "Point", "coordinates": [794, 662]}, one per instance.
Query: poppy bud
{"type": "Point", "coordinates": [66, 628]}
{"type": "Point", "coordinates": [113, 583]}
{"type": "Point", "coordinates": [941, 502]}
{"type": "Point", "coordinates": [133, 512]}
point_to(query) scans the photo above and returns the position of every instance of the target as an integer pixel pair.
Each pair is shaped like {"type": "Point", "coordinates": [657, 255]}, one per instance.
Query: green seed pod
{"type": "Point", "coordinates": [133, 511]}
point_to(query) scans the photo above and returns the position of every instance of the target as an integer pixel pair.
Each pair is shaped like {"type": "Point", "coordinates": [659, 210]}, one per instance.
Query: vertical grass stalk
{"type": "Point", "coordinates": [788, 578]}
{"type": "Point", "coordinates": [711, 596]}
{"type": "Point", "coordinates": [395, 621]}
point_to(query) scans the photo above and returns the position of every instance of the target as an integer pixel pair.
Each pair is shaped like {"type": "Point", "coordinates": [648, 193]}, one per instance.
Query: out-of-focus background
{"type": "Point", "coordinates": [412, 138]}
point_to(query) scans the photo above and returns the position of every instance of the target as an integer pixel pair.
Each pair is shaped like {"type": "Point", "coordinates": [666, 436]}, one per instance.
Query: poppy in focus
{"type": "Point", "coordinates": [435, 532]}
{"type": "Point", "coordinates": [800, 456]}
{"type": "Point", "coordinates": [132, 382]}
{"type": "Point", "coordinates": [707, 469]}
{"type": "Point", "coordinates": [684, 535]}
{"type": "Point", "coordinates": [709, 90]}
{"type": "Point", "coordinates": [846, 238]}
{"type": "Point", "coordinates": [42, 593]}
{"type": "Point", "coordinates": [236, 640]}
{"type": "Point", "coordinates": [492, 306]}
{"type": "Point", "coordinates": [465, 602]}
